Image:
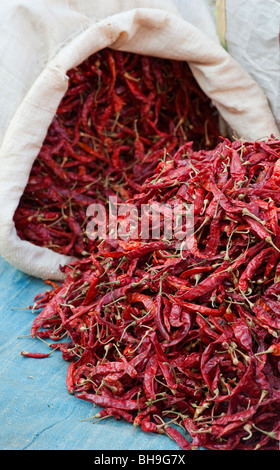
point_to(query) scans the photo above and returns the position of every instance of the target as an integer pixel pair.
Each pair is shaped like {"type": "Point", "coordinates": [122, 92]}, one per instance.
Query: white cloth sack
{"type": "Point", "coordinates": [41, 40]}
{"type": "Point", "coordinates": [251, 34]}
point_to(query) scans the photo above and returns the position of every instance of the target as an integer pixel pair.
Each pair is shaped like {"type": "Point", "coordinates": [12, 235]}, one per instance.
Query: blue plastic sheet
{"type": "Point", "coordinates": [37, 412]}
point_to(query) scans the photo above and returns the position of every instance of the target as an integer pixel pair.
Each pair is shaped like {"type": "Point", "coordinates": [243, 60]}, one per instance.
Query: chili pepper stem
{"type": "Point", "coordinates": [272, 435]}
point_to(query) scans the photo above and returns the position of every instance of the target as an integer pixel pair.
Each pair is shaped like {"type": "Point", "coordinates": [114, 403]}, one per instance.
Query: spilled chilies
{"type": "Point", "coordinates": [166, 336]}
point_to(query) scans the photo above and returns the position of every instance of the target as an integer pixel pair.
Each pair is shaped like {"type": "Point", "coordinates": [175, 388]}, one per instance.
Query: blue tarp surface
{"type": "Point", "coordinates": [37, 412]}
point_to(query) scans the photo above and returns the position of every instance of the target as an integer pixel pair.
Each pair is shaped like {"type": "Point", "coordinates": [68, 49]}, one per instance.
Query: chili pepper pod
{"type": "Point", "coordinates": [34, 355]}
{"type": "Point", "coordinates": [149, 426]}
{"type": "Point", "coordinates": [70, 381]}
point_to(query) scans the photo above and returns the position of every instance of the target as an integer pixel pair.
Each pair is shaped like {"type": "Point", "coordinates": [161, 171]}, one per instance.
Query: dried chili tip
{"type": "Point", "coordinates": [35, 355]}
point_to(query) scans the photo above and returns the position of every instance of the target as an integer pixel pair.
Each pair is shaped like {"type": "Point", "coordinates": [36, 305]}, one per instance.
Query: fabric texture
{"type": "Point", "coordinates": [255, 45]}
{"type": "Point", "coordinates": [40, 41]}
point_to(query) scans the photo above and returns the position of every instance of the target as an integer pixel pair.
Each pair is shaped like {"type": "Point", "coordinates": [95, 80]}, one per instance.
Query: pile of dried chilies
{"type": "Point", "coordinates": [119, 115]}
{"type": "Point", "coordinates": [184, 341]}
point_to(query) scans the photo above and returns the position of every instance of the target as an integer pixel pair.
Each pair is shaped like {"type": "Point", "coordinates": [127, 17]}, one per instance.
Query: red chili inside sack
{"type": "Point", "coordinates": [121, 114]}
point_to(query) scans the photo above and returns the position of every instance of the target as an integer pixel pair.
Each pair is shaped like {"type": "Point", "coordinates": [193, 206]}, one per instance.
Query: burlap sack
{"type": "Point", "coordinates": [41, 40]}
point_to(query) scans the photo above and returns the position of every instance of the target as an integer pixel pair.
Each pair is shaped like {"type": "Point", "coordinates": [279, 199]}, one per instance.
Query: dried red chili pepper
{"type": "Point", "coordinates": [34, 355]}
